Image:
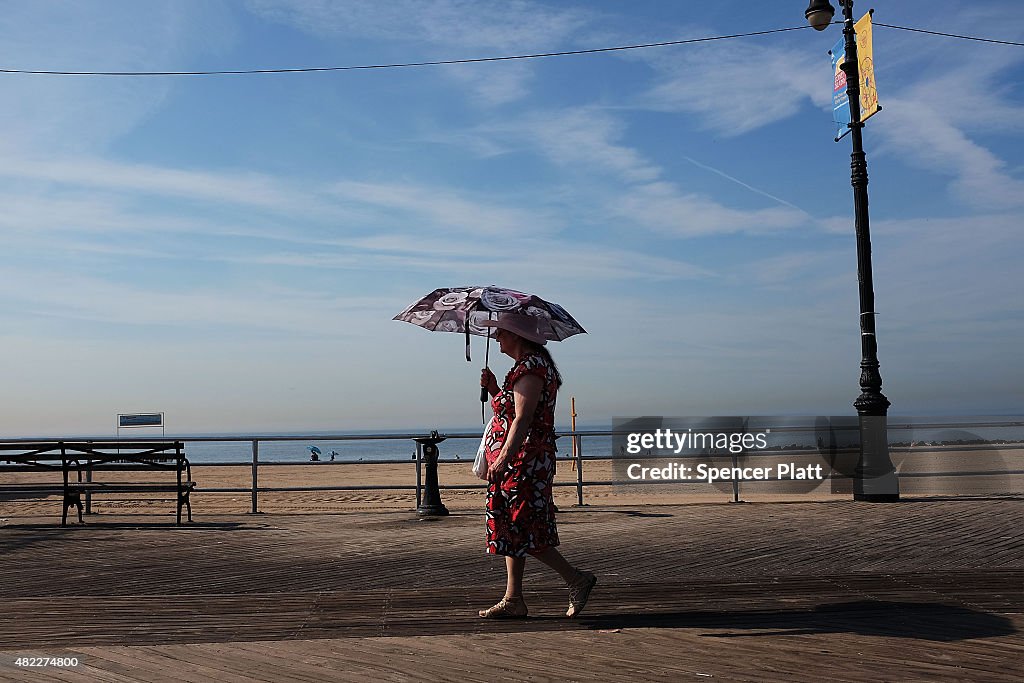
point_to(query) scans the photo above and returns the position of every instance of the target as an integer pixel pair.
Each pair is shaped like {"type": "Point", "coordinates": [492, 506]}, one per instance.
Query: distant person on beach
{"type": "Point", "coordinates": [520, 454]}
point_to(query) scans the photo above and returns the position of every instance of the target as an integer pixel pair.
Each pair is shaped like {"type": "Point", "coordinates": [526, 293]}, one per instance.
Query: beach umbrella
{"type": "Point", "coordinates": [314, 449]}
{"type": "Point", "coordinates": [463, 310]}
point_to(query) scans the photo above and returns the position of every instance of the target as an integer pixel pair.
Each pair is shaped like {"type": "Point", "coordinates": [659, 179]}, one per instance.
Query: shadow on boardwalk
{"type": "Point", "coordinates": [879, 618]}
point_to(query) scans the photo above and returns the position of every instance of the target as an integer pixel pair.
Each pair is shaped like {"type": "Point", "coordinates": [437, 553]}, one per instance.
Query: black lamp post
{"type": "Point", "coordinates": [875, 477]}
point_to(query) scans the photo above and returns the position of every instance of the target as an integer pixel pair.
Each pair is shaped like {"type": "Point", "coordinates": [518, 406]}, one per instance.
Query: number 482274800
{"type": "Point", "coordinates": [46, 661]}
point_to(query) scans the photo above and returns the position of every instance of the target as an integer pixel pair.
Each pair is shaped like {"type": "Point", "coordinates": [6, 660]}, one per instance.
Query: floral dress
{"type": "Point", "coordinates": [520, 511]}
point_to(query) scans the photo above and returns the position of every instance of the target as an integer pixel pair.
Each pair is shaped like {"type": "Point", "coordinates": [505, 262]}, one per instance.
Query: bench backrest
{"type": "Point", "coordinates": [96, 453]}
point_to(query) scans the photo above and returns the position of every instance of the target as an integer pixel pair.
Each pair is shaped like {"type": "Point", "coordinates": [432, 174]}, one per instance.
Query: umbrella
{"type": "Point", "coordinates": [448, 310]}
{"type": "Point", "coordinates": [463, 309]}
{"type": "Point", "coordinates": [314, 449]}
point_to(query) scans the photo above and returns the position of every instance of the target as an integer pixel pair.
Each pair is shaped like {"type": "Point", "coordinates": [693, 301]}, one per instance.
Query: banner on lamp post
{"type": "Point", "coordinates": [866, 71]}
{"type": "Point", "coordinates": [866, 68]}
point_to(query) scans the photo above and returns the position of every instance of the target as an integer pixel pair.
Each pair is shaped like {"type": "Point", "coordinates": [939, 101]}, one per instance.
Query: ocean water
{"type": "Point", "coordinates": [396, 450]}
{"type": "Point", "coordinates": [902, 431]}
{"type": "Point", "coordinates": [354, 450]}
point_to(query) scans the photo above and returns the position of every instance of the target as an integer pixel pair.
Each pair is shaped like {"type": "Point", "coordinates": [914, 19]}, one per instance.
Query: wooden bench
{"type": "Point", "coordinates": [81, 462]}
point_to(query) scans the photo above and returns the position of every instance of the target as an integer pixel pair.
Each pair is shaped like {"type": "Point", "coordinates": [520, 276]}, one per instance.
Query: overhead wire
{"type": "Point", "coordinates": [403, 64]}
{"type": "Point", "coordinates": [950, 35]}
{"type": "Point", "coordinates": [474, 60]}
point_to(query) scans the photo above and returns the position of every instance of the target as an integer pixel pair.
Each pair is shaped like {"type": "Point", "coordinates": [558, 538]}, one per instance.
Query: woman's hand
{"type": "Point", "coordinates": [489, 382]}
{"type": "Point", "coordinates": [496, 470]}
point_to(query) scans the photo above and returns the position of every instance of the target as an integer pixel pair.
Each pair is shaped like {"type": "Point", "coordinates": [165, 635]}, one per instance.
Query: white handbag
{"type": "Point", "coordinates": [480, 462]}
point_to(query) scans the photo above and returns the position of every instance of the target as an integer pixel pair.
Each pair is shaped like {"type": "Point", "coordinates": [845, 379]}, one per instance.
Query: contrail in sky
{"type": "Point", "coordinates": [740, 182]}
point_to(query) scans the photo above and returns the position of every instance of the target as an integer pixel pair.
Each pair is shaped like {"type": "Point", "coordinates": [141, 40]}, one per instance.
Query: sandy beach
{"type": "Point", "coordinates": [402, 476]}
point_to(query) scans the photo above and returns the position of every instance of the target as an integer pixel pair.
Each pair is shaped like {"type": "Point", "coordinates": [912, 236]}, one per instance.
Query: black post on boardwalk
{"type": "Point", "coordinates": [875, 477]}
{"type": "Point", "coordinates": [427, 452]}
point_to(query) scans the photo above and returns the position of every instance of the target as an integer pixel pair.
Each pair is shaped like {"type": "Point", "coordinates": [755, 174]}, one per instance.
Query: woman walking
{"type": "Point", "coordinates": [521, 467]}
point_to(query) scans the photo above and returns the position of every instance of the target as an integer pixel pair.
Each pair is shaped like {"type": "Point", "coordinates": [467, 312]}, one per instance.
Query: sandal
{"type": "Point", "coordinates": [507, 608]}
{"type": "Point", "coordinates": [579, 592]}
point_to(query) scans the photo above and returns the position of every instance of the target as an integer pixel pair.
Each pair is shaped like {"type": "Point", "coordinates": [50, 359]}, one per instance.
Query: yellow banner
{"type": "Point", "coordinates": [866, 66]}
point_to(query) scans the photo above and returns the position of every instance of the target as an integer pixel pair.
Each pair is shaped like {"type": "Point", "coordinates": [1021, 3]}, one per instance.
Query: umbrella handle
{"type": "Point", "coordinates": [487, 360]}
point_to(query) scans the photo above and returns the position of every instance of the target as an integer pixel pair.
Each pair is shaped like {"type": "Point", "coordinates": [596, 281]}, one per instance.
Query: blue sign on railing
{"type": "Point", "coordinates": [141, 420]}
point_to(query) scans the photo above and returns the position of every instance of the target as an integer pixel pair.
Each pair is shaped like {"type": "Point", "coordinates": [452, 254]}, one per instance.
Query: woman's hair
{"type": "Point", "coordinates": [542, 351]}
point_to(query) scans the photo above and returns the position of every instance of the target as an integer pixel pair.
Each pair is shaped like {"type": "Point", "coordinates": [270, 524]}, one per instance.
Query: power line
{"type": "Point", "coordinates": [400, 65]}
{"type": "Point", "coordinates": [951, 35]}
{"type": "Point", "coordinates": [477, 60]}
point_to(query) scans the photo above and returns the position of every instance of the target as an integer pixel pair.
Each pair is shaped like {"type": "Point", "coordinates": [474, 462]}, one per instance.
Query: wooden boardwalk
{"type": "Point", "coordinates": [918, 590]}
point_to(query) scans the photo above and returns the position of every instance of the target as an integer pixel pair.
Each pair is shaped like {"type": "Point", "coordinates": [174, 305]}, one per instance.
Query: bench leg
{"type": "Point", "coordinates": [71, 498]}
{"type": "Point", "coordinates": [183, 500]}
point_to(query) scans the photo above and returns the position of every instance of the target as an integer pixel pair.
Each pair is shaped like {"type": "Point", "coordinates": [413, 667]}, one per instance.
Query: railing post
{"type": "Point", "coordinates": [88, 479]}
{"type": "Point", "coordinates": [255, 474]}
{"type": "Point", "coordinates": [419, 475]}
{"type": "Point", "coordinates": [65, 465]}
{"type": "Point", "coordinates": [579, 470]}
{"type": "Point", "coordinates": [735, 481]}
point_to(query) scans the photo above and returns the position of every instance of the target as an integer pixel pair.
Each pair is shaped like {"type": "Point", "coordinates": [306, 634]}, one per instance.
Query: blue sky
{"type": "Point", "coordinates": [230, 250]}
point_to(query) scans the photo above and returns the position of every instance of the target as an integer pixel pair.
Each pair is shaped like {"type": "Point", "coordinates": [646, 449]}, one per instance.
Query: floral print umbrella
{"type": "Point", "coordinates": [448, 310]}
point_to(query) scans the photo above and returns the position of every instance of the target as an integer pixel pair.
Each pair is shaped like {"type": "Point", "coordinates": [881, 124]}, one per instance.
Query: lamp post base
{"type": "Point", "coordinates": [877, 497]}
{"type": "Point", "coordinates": [874, 478]}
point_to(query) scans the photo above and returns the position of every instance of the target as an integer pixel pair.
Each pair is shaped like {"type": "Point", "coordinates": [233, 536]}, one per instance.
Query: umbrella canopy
{"type": "Point", "coordinates": [462, 309]}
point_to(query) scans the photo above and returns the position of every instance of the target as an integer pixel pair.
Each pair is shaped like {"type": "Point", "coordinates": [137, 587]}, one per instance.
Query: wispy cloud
{"type": "Point", "coordinates": [585, 138]}
{"type": "Point", "coordinates": [483, 260]}
{"type": "Point", "coordinates": [443, 22]}
{"type": "Point", "coordinates": [52, 113]}
{"type": "Point", "coordinates": [68, 296]}
{"type": "Point", "coordinates": [448, 29]}
{"type": "Point", "coordinates": [922, 135]}
{"type": "Point", "coordinates": [661, 206]}
{"type": "Point", "coordinates": [388, 227]}
{"type": "Point", "coordinates": [494, 84]}
{"type": "Point", "coordinates": [447, 210]}
{"type": "Point", "coordinates": [589, 142]}
{"type": "Point", "coordinates": [252, 189]}
{"type": "Point", "coordinates": [715, 84]}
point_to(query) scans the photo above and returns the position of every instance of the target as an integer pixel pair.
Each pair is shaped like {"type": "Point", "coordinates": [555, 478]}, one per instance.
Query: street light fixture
{"type": "Point", "coordinates": [875, 477]}
{"type": "Point", "coordinates": [819, 14]}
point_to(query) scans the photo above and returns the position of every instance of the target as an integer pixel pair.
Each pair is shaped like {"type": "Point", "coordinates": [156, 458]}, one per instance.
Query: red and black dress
{"type": "Point", "coordinates": [520, 511]}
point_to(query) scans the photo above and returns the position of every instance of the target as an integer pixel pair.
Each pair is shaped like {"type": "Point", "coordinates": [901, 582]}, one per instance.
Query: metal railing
{"type": "Point", "coordinates": [576, 456]}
